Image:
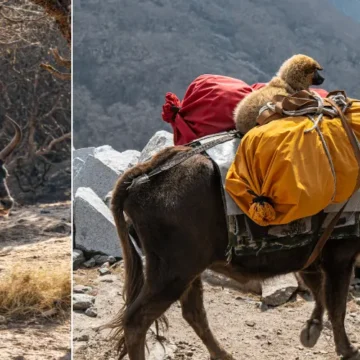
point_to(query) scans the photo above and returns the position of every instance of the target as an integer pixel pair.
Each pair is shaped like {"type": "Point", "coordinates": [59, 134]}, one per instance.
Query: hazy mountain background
{"type": "Point", "coordinates": [128, 54]}
{"type": "Point", "coordinates": [349, 7]}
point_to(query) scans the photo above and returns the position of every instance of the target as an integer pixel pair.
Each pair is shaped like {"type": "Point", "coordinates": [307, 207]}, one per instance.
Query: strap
{"type": "Point", "coordinates": [185, 155]}
{"type": "Point", "coordinates": [355, 145]}
{"type": "Point", "coordinates": [324, 238]}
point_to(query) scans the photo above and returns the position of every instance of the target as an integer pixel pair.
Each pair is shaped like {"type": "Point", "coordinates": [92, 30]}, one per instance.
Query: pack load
{"type": "Point", "coordinates": [207, 107]}
{"type": "Point", "coordinates": [301, 159]}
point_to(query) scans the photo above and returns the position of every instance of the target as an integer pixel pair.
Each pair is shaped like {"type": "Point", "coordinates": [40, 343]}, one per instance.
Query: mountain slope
{"type": "Point", "coordinates": [127, 57]}
{"type": "Point", "coordinates": [350, 8]}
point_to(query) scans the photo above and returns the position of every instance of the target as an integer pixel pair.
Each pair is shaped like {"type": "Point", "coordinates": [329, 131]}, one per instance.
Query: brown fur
{"type": "Point", "coordinates": [179, 223]}
{"type": "Point", "coordinates": [294, 75]}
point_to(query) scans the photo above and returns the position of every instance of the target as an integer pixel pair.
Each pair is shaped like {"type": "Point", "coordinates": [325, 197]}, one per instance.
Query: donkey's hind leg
{"type": "Point", "coordinates": [194, 313]}
{"type": "Point", "coordinates": [313, 279]}
{"type": "Point", "coordinates": [148, 307]}
{"type": "Point", "coordinates": [338, 262]}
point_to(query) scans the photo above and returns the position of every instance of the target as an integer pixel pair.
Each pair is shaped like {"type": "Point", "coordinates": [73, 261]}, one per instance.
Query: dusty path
{"type": "Point", "coordinates": [35, 236]}
{"type": "Point", "coordinates": [238, 322]}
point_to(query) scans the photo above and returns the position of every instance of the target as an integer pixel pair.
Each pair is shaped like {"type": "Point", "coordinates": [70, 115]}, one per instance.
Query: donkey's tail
{"type": "Point", "coordinates": [134, 276]}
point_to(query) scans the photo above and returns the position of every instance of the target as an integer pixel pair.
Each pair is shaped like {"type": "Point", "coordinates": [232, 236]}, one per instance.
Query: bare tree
{"type": "Point", "coordinates": [32, 96]}
{"type": "Point", "coordinates": [60, 10]}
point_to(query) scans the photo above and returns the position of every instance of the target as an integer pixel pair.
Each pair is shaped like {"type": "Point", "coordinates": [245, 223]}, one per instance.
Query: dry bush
{"type": "Point", "coordinates": [34, 292]}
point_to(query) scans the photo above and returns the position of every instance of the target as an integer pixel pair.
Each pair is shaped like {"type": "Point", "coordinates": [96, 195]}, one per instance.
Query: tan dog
{"type": "Point", "coordinates": [297, 73]}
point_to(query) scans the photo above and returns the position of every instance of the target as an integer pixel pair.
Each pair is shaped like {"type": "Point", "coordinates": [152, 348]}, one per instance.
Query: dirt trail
{"type": "Point", "coordinates": [236, 319]}
{"type": "Point", "coordinates": [36, 236]}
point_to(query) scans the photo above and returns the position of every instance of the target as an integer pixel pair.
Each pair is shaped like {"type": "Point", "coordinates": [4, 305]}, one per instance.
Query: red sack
{"type": "Point", "coordinates": [207, 107]}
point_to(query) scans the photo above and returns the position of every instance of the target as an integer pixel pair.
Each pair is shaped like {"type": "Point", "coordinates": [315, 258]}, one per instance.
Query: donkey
{"type": "Point", "coordinates": [6, 201]}
{"type": "Point", "coordinates": [180, 224]}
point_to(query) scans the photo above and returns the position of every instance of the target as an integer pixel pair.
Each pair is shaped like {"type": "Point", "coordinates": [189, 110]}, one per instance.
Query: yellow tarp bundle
{"type": "Point", "coordinates": [281, 174]}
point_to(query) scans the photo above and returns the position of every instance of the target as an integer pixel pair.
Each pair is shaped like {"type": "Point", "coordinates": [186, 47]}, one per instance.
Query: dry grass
{"type": "Point", "coordinates": [35, 292]}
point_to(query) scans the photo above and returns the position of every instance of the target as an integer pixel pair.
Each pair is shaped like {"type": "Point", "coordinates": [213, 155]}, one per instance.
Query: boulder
{"type": "Point", "coordinates": [119, 161]}
{"type": "Point", "coordinates": [83, 153]}
{"type": "Point", "coordinates": [78, 258]}
{"type": "Point", "coordinates": [95, 227]}
{"type": "Point", "coordinates": [102, 169]}
{"type": "Point", "coordinates": [159, 141]}
{"type": "Point", "coordinates": [277, 291]}
{"type": "Point", "coordinates": [77, 165]}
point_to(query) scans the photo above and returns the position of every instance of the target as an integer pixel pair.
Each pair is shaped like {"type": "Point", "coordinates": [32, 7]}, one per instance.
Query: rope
{"type": "Point", "coordinates": [320, 110]}
{"type": "Point", "coordinates": [327, 151]}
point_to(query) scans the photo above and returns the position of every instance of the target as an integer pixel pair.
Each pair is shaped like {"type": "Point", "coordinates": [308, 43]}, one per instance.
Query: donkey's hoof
{"type": "Point", "coordinates": [354, 356]}
{"type": "Point", "coordinates": [310, 333]}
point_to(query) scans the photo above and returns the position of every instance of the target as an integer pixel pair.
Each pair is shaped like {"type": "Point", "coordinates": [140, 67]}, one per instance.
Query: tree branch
{"type": "Point", "coordinates": [59, 75]}
{"type": "Point", "coordinates": [47, 149]}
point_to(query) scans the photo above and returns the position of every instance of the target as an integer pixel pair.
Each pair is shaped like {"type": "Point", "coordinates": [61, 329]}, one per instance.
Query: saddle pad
{"type": "Point", "coordinates": [224, 154]}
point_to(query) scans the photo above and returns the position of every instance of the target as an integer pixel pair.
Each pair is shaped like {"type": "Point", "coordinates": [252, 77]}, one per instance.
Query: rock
{"type": "Point", "coordinates": [61, 228]}
{"type": "Point", "coordinates": [102, 259]}
{"type": "Point", "coordinates": [92, 312]}
{"type": "Point", "coordinates": [111, 260]}
{"type": "Point", "coordinates": [6, 250]}
{"type": "Point", "coordinates": [83, 301]}
{"type": "Point", "coordinates": [108, 278]}
{"type": "Point", "coordinates": [277, 291]}
{"type": "Point", "coordinates": [90, 263]}
{"type": "Point", "coordinates": [104, 271]}
{"type": "Point", "coordinates": [83, 153]}
{"type": "Point", "coordinates": [164, 351]}
{"type": "Point", "coordinates": [250, 323]}
{"type": "Point", "coordinates": [119, 161]}
{"type": "Point", "coordinates": [66, 357]}
{"type": "Point", "coordinates": [81, 289]}
{"type": "Point", "coordinates": [160, 140]}
{"type": "Point", "coordinates": [252, 286]}
{"type": "Point", "coordinates": [101, 171]}
{"type": "Point", "coordinates": [78, 258]}
{"type": "Point", "coordinates": [82, 337]}
{"type": "Point", "coordinates": [77, 165]}
{"type": "Point", "coordinates": [95, 227]}
{"type": "Point", "coordinates": [105, 265]}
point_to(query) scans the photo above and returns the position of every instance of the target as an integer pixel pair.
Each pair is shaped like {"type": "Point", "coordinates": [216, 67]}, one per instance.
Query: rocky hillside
{"type": "Point", "coordinates": [350, 8]}
{"type": "Point", "coordinates": [127, 57]}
